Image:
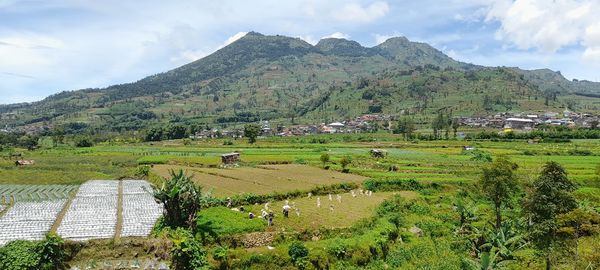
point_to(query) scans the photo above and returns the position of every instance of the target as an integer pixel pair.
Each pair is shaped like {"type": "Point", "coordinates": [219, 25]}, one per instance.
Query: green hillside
{"type": "Point", "coordinates": [288, 80]}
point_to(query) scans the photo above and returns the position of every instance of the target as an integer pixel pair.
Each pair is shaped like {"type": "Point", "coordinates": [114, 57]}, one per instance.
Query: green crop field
{"type": "Point", "coordinates": [275, 169]}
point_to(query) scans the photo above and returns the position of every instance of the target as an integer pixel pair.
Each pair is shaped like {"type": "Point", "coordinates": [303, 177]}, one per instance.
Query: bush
{"type": "Point", "coordinates": [338, 249]}
{"type": "Point", "coordinates": [392, 185]}
{"type": "Point", "coordinates": [143, 170]}
{"type": "Point", "coordinates": [187, 252]}
{"type": "Point", "coordinates": [83, 142]}
{"type": "Point", "coordinates": [227, 142]}
{"type": "Point", "coordinates": [18, 255]}
{"type": "Point", "coordinates": [47, 254]}
{"type": "Point", "coordinates": [299, 253]}
{"type": "Point", "coordinates": [478, 155]}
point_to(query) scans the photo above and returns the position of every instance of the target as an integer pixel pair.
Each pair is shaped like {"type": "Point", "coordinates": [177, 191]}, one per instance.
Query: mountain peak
{"type": "Point", "coordinates": [341, 47]}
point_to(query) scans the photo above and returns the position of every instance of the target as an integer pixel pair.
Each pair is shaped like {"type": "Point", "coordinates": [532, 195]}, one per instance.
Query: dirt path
{"type": "Point", "coordinates": [63, 211]}
{"type": "Point", "coordinates": [119, 226]}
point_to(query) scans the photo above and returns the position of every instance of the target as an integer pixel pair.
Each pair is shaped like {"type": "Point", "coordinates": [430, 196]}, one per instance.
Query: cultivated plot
{"type": "Point", "coordinates": [263, 179]}
{"type": "Point", "coordinates": [93, 212]}
{"type": "Point", "coordinates": [29, 220]}
{"type": "Point", "coordinates": [34, 192]}
{"type": "Point", "coordinates": [140, 211]}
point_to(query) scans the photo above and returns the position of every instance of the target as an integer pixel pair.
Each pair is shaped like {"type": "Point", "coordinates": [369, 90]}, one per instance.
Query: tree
{"type": "Point", "coordinates": [575, 224]}
{"type": "Point", "coordinates": [499, 183]}
{"type": "Point", "coordinates": [455, 125]}
{"type": "Point", "coordinates": [29, 141]}
{"type": "Point", "coordinates": [406, 127]}
{"type": "Point", "coordinates": [181, 199]}
{"type": "Point", "coordinates": [551, 196]}
{"type": "Point", "coordinates": [325, 158]}
{"type": "Point", "coordinates": [439, 123]}
{"type": "Point", "coordinates": [251, 131]}
{"type": "Point", "coordinates": [58, 135]}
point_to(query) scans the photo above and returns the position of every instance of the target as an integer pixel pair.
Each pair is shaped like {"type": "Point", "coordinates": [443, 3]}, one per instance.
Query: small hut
{"type": "Point", "coordinates": [230, 158]}
{"type": "Point", "coordinates": [378, 153]}
{"type": "Point", "coordinates": [23, 162]}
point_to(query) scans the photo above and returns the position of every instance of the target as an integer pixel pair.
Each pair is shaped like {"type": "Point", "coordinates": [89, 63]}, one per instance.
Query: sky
{"type": "Point", "coordinates": [49, 46]}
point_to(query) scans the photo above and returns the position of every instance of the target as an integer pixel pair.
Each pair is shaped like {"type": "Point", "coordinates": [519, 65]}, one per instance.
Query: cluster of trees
{"type": "Point", "coordinates": [442, 123]}
{"type": "Point", "coordinates": [560, 132]}
{"type": "Point", "coordinates": [170, 132]}
{"type": "Point", "coordinates": [19, 139]}
{"type": "Point", "coordinates": [544, 214]}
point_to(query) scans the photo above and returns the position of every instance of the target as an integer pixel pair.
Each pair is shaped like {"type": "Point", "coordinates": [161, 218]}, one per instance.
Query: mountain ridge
{"type": "Point", "coordinates": [283, 77]}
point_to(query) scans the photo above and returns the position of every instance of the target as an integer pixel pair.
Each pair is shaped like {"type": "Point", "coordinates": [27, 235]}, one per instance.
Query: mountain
{"type": "Point", "coordinates": [287, 80]}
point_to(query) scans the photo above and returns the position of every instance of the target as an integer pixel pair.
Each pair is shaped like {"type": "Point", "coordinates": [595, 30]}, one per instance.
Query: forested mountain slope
{"type": "Point", "coordinates": [286, 79]}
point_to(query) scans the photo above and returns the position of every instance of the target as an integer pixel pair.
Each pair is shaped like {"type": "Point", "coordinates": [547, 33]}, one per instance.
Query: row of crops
{"type": "Point", "coordinates": [34, 192]}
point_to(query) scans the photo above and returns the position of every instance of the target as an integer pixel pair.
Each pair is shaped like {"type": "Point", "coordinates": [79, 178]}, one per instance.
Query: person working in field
{"type": "Point", "coordinates": [286, 210]}
{"type": "Point", "coordinates": [270, 218]}
{"type": "Point", "coordinates": [250, 215]}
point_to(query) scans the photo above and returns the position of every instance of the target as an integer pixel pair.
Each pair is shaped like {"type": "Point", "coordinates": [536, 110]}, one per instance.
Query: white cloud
{"type": "Point", "coordinates": [233, 38]}
{"type": "Point", "coordinates": [379, 38]}
{"type": "Point", "coordinates": [546, 25]}
{"type": "Point", "coordinates": [188, 56]}
{"type": "Point", "coordinates": [337, 35]}
{"type": "Point", "coordinates": [357, 13]}
{"type": "Point", "coordinates": [309, 39]}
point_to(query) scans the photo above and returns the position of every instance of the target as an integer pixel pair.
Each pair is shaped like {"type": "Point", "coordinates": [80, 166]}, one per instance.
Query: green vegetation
{"type": "Point", "coordinates": [181, 199]}
{"type": "Point", "coordinates": [430, 199]}
{"type": "Point", "coordinates": [48, 254]}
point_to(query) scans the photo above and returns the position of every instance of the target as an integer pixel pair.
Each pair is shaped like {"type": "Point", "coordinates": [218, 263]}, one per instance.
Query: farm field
{"type": "Point", "coordinates": [430, 176]}
{"type": "Point", "coordinates": [262, 179]}
{"type": "Point", "coordinates": [344, 214]}
{"type": "Point", "coordinates": [91, 214]}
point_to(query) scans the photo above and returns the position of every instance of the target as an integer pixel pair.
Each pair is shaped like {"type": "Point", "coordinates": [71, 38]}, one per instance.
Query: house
{"type": "Point", "coordinates": [519, 123]}
{"type": "Point", "coordinates": [230, 158]}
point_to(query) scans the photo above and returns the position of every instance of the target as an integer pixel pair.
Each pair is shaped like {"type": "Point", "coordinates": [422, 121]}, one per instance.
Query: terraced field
{"type": "Point", "coordinates": [35, 192]}
{"type": "Point", "coordinates": [262, 179]}
{"type": "Point", "coordinates": [92, 214]}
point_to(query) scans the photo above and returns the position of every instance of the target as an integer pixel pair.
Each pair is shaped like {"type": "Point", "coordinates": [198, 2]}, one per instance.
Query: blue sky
{"type": "Point", "coordinates": [47, 46]}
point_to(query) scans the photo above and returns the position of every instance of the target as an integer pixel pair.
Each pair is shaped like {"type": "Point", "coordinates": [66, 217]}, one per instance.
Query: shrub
{"type": "Point", "coordinates": [187, 252]}
{"type": "Point", "coordinates": [18, 255]}
{"type": "Point", "coordinates": [299, 253]}
{"type": "Point", "coordinates": [392, 185]}
{"type": "Point", "coordinates": [47, 254]}
{"type": "Point", "coordinates": [143, 170]}
{"type": "Point", "coordinates": [52, 252]}
{"type": "Point", "coordinates": [338, 248]}
{"type": "Point", "coordinates": [227, 142]}
{"type": "Point", "coordinates": [83, 142]}
{"type": "Point", "coordinates": [478, 155]}
{"type": "Point", "coordinates": [221, 255]}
